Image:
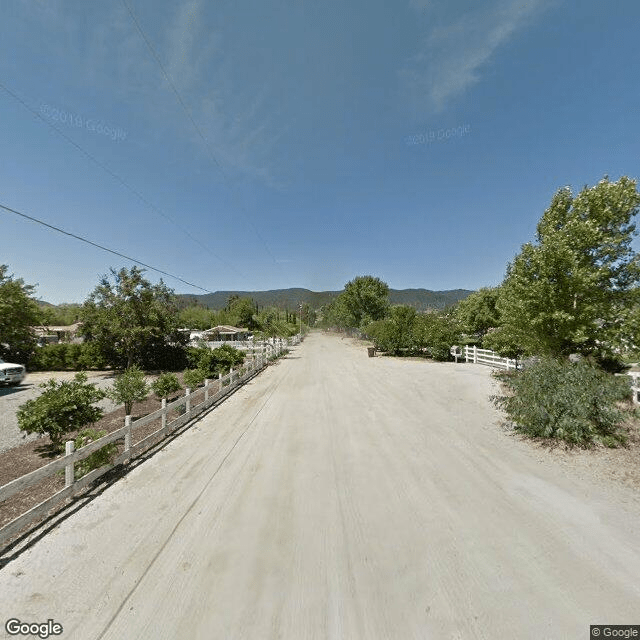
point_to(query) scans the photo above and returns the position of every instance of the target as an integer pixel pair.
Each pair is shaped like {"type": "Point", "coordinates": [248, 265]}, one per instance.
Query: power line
{"type": "Point", "coordinates": [99, 246]}
{"type": "Point", "coordinates": [186, 109]}
{"type": "Point", "coordinates": [115, 176]}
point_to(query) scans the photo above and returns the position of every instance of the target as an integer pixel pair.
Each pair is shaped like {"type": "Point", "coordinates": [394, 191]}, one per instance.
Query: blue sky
{"type": "Point", "coordinates": [305, 143]}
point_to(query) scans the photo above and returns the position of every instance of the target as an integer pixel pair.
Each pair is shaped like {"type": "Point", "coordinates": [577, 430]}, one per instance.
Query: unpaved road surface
{"type": "Point", "coordinates": [343, 497]}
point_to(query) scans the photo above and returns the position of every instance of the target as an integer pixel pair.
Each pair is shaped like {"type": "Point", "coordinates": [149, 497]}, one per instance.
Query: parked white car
{"type": "Point", "coordinates": [11, 373]}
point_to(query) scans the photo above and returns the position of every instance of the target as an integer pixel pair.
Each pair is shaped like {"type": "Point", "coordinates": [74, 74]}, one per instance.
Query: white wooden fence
{"type": "Point", "coordinates": [486, 356]}
{"type": "Point", "coordinates": [72, 486]}
{"type": "Point", "coordinates": [635, 386]}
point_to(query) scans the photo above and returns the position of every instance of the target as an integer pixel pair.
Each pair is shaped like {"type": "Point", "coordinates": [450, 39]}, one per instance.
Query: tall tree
{"type": "Point", "coordinates": [129, 318]}
{"type": "Point", "coordinates": [566, 292]}
{"type": "Point", "coordinates": [18, 313]}
{"type": "Point", "coordinates": [364, 299]}
{"type": "Point", "coordinates": [477, 312]}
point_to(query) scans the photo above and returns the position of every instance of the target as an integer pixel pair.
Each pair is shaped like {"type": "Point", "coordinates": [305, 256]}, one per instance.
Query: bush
{"type": "Point", "coordinates": [193, 377]}
{"type": "Point", "coordinates": [63, 407]}
{"type": "Point", "coordinates": [165, 385]}
{"type": "Point", "coordinates": [571, 402]}
{"type": "Point", "coordinates": [66, 356]}
{"type": "Point", "coordinates": [438, 332]}
{"type": "Point", "coordinates": [97, 459]}
{"type": "Point", "coordinates": [129, 387]}
{"type": "Point", "coordinates": [215, 361]}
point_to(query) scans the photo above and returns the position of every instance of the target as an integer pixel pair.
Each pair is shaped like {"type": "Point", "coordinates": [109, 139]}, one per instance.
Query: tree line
{"type": "Point", "coordinates": [573, 291]}
{"type": "Point", "coordinates": [126, 320]}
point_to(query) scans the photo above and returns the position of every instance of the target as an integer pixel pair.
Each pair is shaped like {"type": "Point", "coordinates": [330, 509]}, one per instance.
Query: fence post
{"type": "Point", "coordinates": [69, 448]}
{"type": "Point", "coordinates": [188, 402]}
{"type": "Point", "coordinates": [127, 437]}
{"type": "Point", "coordinates": [206, 389]}
{"type": "Point", "coordinates": [475, 354]}
{"type": "Point", "coordinates": [164, 412]}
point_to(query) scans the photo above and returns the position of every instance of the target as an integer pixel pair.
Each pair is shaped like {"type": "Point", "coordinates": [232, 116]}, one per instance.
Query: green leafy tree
{"type": "Point", "coordinates": [18, 313]}
{"type": "Point", "coordinates": [166, 384]}
{"type": "Point", "coordinates": [438, 332]}
{"type": "Point", "coordinates": [194, 377]}
{"type": "Point", "coordinates": [364, 299]}
{"type": "Point", "coordinates": [396, 333]}
{"type": "Point", "coordinates": [197, 317]}
{"type": "Point", "coordinates": [477, 312]}
{"type": "Point", "coordinates": [129, 387]}
{"type": "Point", "coordinates": [130, 319]}
{"type": "Point", "coordinates": [63, 407]}
{"type": "Point", "coordinates": [242, 312]}
{"type": "Point", "coordinates": [567, 291]}
{"type": "Point", "coordinates": [215, 361]}
{"type": "Point", "coordinates": [271, 325]}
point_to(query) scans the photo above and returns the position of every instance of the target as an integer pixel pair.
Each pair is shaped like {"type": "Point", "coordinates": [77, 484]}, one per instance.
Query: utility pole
{"type": "Point", "coordinates": [301, 322]}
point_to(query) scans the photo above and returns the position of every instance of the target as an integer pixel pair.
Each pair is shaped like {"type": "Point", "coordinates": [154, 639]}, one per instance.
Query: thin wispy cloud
{"type": "Point", "coordinates": [451, 59]}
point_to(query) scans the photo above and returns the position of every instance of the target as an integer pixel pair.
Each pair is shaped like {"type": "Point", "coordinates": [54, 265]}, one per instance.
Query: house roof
{"type": "Point", "coordinates": [49, 328]}
{"type": "Point", "coordinates": [226, 329]}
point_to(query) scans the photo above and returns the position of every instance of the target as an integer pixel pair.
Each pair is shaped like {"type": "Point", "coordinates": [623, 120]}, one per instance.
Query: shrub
{"type": "Point", "coordinates": [97, 459]}
{"type": "Point", "coordinates": [215, 361]}
{"type": "Point", "coordinates": [66, 356]}
{"type": "Point", "coordinates": [438, 332]}
{"type": "Point", "coordinates": [571, 402]}
{"type": "Point", "coordinates": [129, 387]}
{"type": "Point", "coordinates": [63, 407]}
{"type": "Point", "coordinates": [193, 377]}
{"type": "Point", "coordinates": [165, 385]}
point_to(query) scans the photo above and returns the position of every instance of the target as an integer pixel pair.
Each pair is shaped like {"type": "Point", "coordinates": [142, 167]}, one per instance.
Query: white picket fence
{"type": "Point", "coordinates": [193, 403]}
{"type": "Point", "coordinates": [491, 358]}
{"type": "Point", "coordinates": [635, 386]}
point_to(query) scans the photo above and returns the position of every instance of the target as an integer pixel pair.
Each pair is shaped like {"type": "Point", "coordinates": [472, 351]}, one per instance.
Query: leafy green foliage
{"type": "Point", "coordinates": [63, 407]}
{"type": "Point", "coordinates": [396, 333]}
{"type": "Point", "coordinates": [437, 332]}
{"type": "Point", "coordinates": [165, 384]}
{"type": "Point", "coordinates": [571, 402]}
{"type": "Point", "coordinates": [364, 300]}
{"type": "Point", "coordinates": [215, 361]}
{"type": "Point", "coordinates": [194, 377]}
{"type": "Point", "coordinates": [131, 319]}
{"type": "Point", "coordinates": [97, 459]}
{"type": "Point", "coordinates": [66, 357]}
{"type": "Point", "coordinates": [567, 292]}
{"type": "Point", "coordinates": [197, 317]}
{"type": "Point", "coordinates": [60, 314]}
{"type": "Point", "coordinates": [18, 313]}
{"type": "Point", "coordinates": [477, 313]}
{"type": "Point", "coordinates": [129, 387]}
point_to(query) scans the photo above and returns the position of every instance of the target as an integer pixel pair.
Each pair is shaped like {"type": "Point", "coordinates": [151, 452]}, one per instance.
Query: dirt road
{"type": "Point", "coordinates": [344, 497]}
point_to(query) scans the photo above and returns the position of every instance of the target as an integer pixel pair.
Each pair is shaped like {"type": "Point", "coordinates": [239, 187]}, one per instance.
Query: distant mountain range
{"type": "Point", "coordinates": [421, 299]}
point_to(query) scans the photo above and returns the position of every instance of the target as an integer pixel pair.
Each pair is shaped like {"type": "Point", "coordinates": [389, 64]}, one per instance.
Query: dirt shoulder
{"type": "Point", "coordinates": [341, 496]}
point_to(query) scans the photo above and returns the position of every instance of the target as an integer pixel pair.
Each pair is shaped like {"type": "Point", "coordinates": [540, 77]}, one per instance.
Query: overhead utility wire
{"type": "Point", "coordinates": [95, 244]}
{"type": "Point", "coordinates": [189, 114]}
{"type": "Point", "coordinates": [115, 176]}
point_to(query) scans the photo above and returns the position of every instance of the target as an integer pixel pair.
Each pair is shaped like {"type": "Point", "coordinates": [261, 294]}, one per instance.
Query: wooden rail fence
{"type": "Point", "coordinates": [486, 356]}
{"type": "Point", "coordinates": [223, 387]}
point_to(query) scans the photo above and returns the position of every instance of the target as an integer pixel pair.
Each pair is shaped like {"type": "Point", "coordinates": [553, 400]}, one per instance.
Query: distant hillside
{"type": "Point", "coordinates": [290, 298]}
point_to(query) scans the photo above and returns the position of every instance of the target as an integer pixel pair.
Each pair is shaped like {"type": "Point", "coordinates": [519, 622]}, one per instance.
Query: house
{"type": "Point", "coordinates": [225, 333]}
{"type": "Point", "coordinates": [50, 334]}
